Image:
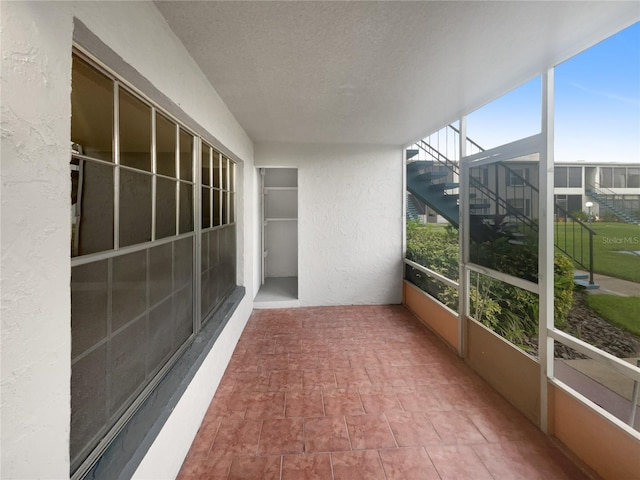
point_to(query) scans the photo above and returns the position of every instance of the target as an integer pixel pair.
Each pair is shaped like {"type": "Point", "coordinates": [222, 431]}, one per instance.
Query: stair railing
{"type": "Point", "coordinates": [575, 251]}
{"type": "Point", "coordinates": [439, 157]}
{"type": "Point", "coordinates": [502, 205]}
{"type": "Point", "coordinates": [603, 196]}
{"type": "Point", "coordinates": [600, 190]}
{"type": "Point", "coordinates": [575, 248]}
{"type": "Point", "coordinates": [475, 148]}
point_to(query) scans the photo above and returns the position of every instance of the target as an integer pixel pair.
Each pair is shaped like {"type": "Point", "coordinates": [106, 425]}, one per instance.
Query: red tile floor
{"type": "Point", "coordinates": [349, 393]}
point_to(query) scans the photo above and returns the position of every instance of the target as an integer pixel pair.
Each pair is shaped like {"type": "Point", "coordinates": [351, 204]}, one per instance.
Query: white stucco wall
{"type": "Point", "coordinates": [139, 34]}
{"type": "Point", "coordinates": [36, 341]}
{"type": "Point", "coordinates": [35, 270]}
{"type": "Point", "coordinates": [349, 220]}
{"type": "Point", "coordinates": [165, 457]}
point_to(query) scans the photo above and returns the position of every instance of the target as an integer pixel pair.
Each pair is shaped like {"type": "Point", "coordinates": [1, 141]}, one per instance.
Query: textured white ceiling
{"type": "Point", "coordinates": [378, 72]}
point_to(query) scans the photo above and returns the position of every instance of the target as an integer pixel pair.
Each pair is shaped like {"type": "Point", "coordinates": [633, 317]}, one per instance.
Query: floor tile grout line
{"type": "Point", "coordinates": [433, 463]}
{"type": "Point", "coordinates": [284, 407]}
{"type": "Point", "coordinates": [426, 416]}
{"type": "Point", "coordinates": [304, 436]}
{"type": "Point", "coordinates": [259, 437]}
{"type": "Point", "coordinates": [324, 410]}
{"type": "Point", "coordinates": [475, 454]}
{"type": "Point", "coordinates": [331, 464]}
{"type": "Point", "coordinates": [361, 402]}
{"type": "Point", "coordinates": [384, 470]}
{"type": "Point", "coordinates": [386, 419]}
{"type": "Point", "coordinates": [464, 412]}
{"type": "Point", "coordinates": [395, 394]}
{"type": "Point", "coordinates": [344, 420]}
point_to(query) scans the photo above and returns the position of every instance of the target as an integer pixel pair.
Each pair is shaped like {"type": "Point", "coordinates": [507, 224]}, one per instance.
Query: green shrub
{"type": "Point", "coordinates": [433, 247]}
{"type": "Point", "coordinates": [508, 310]}
{"type": "Point", "coordinates": [516, 319]}
{"type": "Point", "coordinates": [436, 248]}
{"type": "Point", "coordinates": [483, 307]}
{"type": "Point", "coordinates": [580, 215]}
{"type": "Point", "coordinates": [563, 288]}
{"type": "Point", "coordinates": [608, 216]}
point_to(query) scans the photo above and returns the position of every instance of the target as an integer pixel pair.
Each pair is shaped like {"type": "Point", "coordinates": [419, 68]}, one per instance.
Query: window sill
{"type": "Point", "coordinates": [124, 454]}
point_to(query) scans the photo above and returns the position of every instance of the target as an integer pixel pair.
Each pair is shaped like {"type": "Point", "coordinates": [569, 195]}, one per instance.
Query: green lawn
{"type": "Point", "coordinates": [621, 311]}
{"type": "Point", "coordinates": [609, 241]}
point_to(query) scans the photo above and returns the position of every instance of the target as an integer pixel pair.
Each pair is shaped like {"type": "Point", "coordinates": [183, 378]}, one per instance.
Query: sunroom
{"type": "Point", "coordinates": [221, 159]}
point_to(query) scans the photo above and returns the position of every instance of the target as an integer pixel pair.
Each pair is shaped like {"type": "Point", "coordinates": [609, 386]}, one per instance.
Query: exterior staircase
{"type": "Point", "coordinates": [434, 182]}
{"type": "Point", "coordinates": [415, 209]}
{"type": "Point", "coordinates": [423, 182]}
{"type": "Point", "coordinates": [434, 186]}
{"type": "Point", "coordinates": [609, 201]}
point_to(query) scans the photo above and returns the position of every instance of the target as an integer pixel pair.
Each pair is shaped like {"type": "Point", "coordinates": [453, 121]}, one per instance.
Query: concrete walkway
{"type": "Point", "coordinates": [593, 379]}
{"type": "Point", "coordinates": [600, 384]}
{"type": "Point", "coordinates": [614, 286]}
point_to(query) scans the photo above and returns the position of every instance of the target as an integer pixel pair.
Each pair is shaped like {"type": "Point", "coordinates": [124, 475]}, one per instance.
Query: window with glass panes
{"type": "Point", "coordinates": [217, 252]}
{"type": "Point", "coordinates": [133, 250]}
{"type": "Point", "coordinates": [567, 177]}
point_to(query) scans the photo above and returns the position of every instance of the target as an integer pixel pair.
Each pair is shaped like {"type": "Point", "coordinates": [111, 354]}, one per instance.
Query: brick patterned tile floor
{"type": "Point", "coordinates": [363, 392]}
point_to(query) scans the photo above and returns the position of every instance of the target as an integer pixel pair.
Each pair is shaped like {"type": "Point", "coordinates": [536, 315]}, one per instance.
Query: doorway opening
{"type": "Point", "coordinates": [279, 238]}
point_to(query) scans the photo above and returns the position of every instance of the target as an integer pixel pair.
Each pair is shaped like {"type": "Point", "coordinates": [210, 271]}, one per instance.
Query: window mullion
{"type": "Point", "coordinates": [197, 224]}
{"type": "Point", "coordinates": [116, 160]}
{"type": "Point", "coordinates": [177, 161]}
{"type": "Point", "coordinates": [211, 154]}
{"type": "Point", "coordinates": [154, 171]}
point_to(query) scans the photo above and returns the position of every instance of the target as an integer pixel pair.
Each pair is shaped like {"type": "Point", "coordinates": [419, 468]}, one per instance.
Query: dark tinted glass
{"type": "Point", "coordinates": [93, 227]}
{"type": "Point", "coordinates": [135, 208]}
{"type": "Point", "coordinates": [225, 179]}
{"type": "Point", "coordinates": [575, 177]}
{"type": "Point", "coordinates": [217, 204]}
{"type": "Point", "coordinates": [165, 207]}
{"type": "Point", "coordinates": [560, 177]}
{"type": "Point", "coordinates": [91, 111]}
{"type": "Point", "coordinates": [206, 207]}
{"type": "Point", "coordinates": [89, 305]}
{"type": "Point", "coordinates": [216, 170]}
{"type": "Point", "coordinates": [135, 132]}
{"type": "Point", "coordinates": [165, 146]}
{"type": "Point", "coordinates": [186, 156]}
{"type": "Point", "coordinates": [206, 165]}
{"type": "Point", "coordinates": [186, 207]}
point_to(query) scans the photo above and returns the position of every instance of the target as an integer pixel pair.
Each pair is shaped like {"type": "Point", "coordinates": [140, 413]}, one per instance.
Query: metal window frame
{"type": "Point", "coordinates": [223, 206]}
{"type": "Point", "coordinates": [154, 171]}
{"type": "Point", "coordinates": [530, 145]}
{"type": "Point", "coordinates": [118, 251]}
{"type": "Point", "coordinates": [116, 161]}
{"type": "Point", "coordinates": [546, 246]}
{"type": "Point", "coordinates": [197, 230]}
{"type": "Point", "coordinates": [212, 152]}
{"type": "Point", "coordinates": [464, 275]}
{"type": "Point", "coordinates": [176, 230]}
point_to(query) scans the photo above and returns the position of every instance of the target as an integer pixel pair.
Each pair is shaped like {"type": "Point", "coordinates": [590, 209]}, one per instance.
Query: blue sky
{"type": "Point", "coordinates": [597, 108]}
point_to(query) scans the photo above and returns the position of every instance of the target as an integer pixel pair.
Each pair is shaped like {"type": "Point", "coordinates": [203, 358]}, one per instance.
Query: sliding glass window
{"type": "Point", "coordinates": [133, 250]}
{"type": "Point", "coordinates": [218, 255]}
